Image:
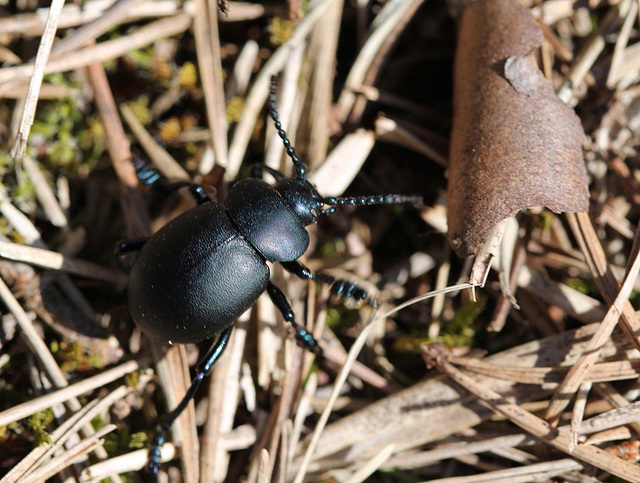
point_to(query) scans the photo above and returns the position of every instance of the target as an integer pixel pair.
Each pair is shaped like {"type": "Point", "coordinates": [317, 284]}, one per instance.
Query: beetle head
{"type": "Point", "coordinates": [301, 196]}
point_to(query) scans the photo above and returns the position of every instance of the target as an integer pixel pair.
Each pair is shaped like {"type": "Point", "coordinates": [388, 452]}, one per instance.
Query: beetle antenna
{"type": "Point", "coordinates": [300, 169]}
{"type": "Point", "coordinates": [367, 201]}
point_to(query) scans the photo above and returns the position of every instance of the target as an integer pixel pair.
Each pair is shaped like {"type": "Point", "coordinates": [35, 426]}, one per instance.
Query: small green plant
{"type": "Point", "coordinates": [280, 30]}
{"type": "Point", "coordinates": [38, 423]}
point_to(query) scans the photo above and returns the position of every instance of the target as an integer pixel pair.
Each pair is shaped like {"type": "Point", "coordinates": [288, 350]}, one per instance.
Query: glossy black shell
{"type": "Point", "coordinates": [194, 277]}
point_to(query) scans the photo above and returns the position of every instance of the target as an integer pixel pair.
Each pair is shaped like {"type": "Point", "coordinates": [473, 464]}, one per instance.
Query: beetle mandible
{"type": "Point", "coordinates": [202, 270]}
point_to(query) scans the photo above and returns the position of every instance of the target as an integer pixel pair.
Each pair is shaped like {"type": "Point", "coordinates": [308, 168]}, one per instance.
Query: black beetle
{"type": "Point", "coordinates": [198, 273]}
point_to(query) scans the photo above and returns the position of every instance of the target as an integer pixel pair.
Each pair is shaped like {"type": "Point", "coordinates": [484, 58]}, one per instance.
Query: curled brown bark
{"type": "Point", "coordinates": [514, 144]}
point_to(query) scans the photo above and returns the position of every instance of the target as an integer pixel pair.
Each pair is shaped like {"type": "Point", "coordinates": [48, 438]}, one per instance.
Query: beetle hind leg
{"type": "Point", "coordinates": [203, 369]}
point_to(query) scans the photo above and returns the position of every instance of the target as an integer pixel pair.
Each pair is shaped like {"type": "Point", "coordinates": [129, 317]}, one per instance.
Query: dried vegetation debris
{"type": "Point", "coordinates": [514, 144]}
{"type": "Point", "coordinates": [563, 370]}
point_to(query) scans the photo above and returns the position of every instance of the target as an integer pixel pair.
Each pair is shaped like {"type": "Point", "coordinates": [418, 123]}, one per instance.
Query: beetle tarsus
{"type": "Point", "coordinates": [154, 455]}
{"type": "Point", "coordinates": [342, 290]}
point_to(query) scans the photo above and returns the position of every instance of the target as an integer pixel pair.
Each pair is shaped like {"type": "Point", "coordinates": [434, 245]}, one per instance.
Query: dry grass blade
{"type": "Point", "coordinates": [117, 143]}
{"type": "Point", "coordinates": [324, 44]}
{"type": "Point", "coordinates": [36, 74]}
{"type": "Point", "coordinates": [223, 403]}
{"type": "Point", "coordinates": [62, 395]}
{"type": "Point", "coordinates": [173, 373]}
{"type": "Point", "coordinates": [104, 51]}
{"type": "Point", "coordinates": [210, 64]}
{"type": "Point", "coordinates": [587, 238]}
{"type": "Point", "coordinates": [590, 52]}
{"type": "Point", "coordinates": [535, 472]}
{"type": "Point", "coordinates": [57, 261]}
{"type": "Point", "coordinates": [37, 345]}
{"type": "Point", "coordinates": [30, 463]}
{"type": "Point", "coordinates": [91, 31]}
{"type": "Point", "coordinates": [48, 201]}
{"type": "Point", "coordinates": [32, 24]}
{"type": "Point", "coordinates": [388, 130]}
{"type": "Point", "coordinates": [134, 461]}
{"type": "Point", "coordinates": [324, 417]}
{"type": "Point", "coordinates": [365, 95]}
{"type": "Point", "coordinates": [539, 428]}
{"type": "Point", "coordinates": [70, 456]}
{"type": "Point", "coordinates": [395, 16]}
{"type": "Point", "coordinates": [576, 375]}
{"type": "Point", "coordinates": [601, 372]}
{"type": "Point", "coordinates": [453, 450]}
{"type": "Point", "coordinates": [332, 178]}
{"type": "Point", "coordinates": [611, 419]}
{"type": "Point", "coordinates": [160, 157]}
{"type": "Point", "coordinates": [372, 465]}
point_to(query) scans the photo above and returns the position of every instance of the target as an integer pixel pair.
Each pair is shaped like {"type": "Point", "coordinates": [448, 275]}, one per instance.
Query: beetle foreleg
{"type": "Point", "coordinates": [303, 336]}
{"type": "Point", "coordinates": [203, 369]}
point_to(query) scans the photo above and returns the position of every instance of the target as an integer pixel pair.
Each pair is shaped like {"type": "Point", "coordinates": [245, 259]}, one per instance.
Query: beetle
{"type": "Point", "coordinates": [197, 274]}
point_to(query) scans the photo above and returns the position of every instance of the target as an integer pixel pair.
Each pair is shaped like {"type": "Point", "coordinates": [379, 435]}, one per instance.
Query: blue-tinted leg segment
{"type": "Point", "coordinates": [203, 369]}
{"type": "Point", "coordinates": [342, 290]}
{"type": "Point", "coordinates": [303, 336]}
{"type": "Point", "coordinates": [151, 177]}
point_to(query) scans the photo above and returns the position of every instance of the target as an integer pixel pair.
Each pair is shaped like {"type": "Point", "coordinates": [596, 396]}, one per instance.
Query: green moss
{"type": "Point", "coordinates": [138, 440]}
{"type": "Point", "coordinates": [280, 30]}
{"type": "Point", "coordinates": [62, 138]}
{"type": "Point", "coordinates": [73, 357]}
{"type": "Point", "coordinates": [38, 423]}
{"type": "Point", "coordinates": [140, 109]}
{"type": "Point", "coordinates": [235, 107]}
{"type": "Point", "coordinates": [458, 331]}
{"type": "Point", "coordinates": [188, 75]}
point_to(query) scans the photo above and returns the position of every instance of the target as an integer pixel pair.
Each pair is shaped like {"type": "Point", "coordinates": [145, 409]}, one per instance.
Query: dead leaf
{"type": "Point", "coordinates": [514, 144]}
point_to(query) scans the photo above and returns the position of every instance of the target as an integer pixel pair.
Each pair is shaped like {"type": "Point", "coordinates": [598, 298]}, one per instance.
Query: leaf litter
{"type": "Point", "coordinates": [559, 373]}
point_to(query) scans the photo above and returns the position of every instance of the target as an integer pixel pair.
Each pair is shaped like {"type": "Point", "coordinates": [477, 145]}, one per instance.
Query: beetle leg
{"type": "Point", "coordinates": [303, 336]}
{"type": "Point", "coordinates": [150, 176]}
{"type": "Point", "coordinates": [341, 289]}
{"type": "Point", "coordinates": [203, 369]}
{"type": "Point", "coordinates": [129, 246]}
